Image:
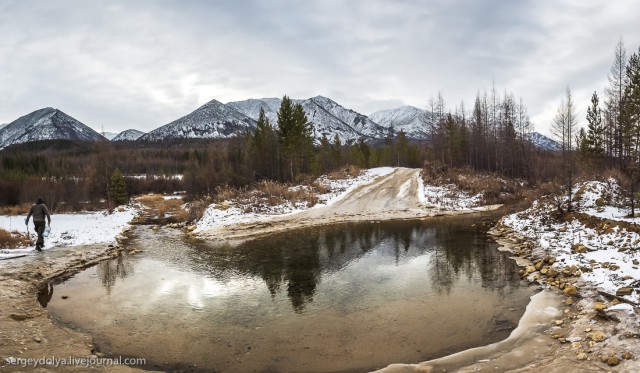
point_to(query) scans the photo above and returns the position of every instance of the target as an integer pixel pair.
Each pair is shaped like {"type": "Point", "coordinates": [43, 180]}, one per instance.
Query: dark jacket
{"type": "Point", "coordinates": [39, 211]}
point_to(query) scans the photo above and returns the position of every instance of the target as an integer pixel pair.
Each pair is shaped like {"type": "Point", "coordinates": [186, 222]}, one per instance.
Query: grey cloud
{"type": "Point", "coordinates": [142, 64]}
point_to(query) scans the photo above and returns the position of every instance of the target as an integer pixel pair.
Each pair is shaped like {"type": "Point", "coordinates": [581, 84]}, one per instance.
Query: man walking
{"type": "Point", "coordinates": [39, 210]}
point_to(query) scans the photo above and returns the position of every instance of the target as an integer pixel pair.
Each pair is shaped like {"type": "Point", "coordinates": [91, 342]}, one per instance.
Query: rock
{"type": "Point", "coordinates": [627, 356]}
{"type": "Point", "coordinates": [579, 248]}
{"type": "Point", "coordinates": [597, 336]}
{"type": "Point", "coordinates": [19, 316]}
{"type": "Point", "coordinates": [568, 301]}
{"type": "Point", "coordinates": [570, 290]}
{"type": "Point", "coordinates": [613, 361]}
{"type": "Point", "coordinates": [599, 306]}
{"type": "Point", "coordinates": [559, 322]}
{"type": "Point", "coordinates": [581, 356]}
{"type": "Point", "coordinates": [37, 339]}
{"type": "Point", "coordinates": [65, 297]}
{"type": "Point", "coordinates": [530, 269]}
{"type": "Point", "coordinates": [624, 291]}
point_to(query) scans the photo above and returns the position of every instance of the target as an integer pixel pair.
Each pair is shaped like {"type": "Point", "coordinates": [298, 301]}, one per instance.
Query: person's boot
{"type": "Point", "coordinates": [39, 247]}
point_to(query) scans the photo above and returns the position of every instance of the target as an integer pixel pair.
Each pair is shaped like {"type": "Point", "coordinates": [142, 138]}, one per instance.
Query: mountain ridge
{"type": "Point", "coordinates": [46, 124]}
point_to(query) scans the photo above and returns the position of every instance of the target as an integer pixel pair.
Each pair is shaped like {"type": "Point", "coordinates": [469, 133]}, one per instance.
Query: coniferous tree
{"type": "Point", "coordinates": [630, 120]}
{"type": "Point", "coordinates": [118, 189]}
{"type": "Point", "coordinates": [594, 139]}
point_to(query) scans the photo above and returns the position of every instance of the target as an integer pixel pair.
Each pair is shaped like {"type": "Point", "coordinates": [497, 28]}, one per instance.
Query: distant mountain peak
{"type": "Point", "coordinates": [46, 124]}
{"type": "Point", "coordinates": [211, 120]}
{"type": "Point", "coordinates": [128, 135]}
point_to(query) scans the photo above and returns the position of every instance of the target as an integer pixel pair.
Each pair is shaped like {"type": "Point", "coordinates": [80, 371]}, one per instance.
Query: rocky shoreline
{"type": "Point", "coordinates": [597, 331]}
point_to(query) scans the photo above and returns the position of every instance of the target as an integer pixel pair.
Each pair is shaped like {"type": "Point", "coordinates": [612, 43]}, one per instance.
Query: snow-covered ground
{"type": "Point", "coordinates": [606, 255]}
{"type": "Point", "coordinates": [449, 197]}
{"type": "Point", "coordinates": [71, 229]}
{"type": "Point", "coordinates": [230, 212]}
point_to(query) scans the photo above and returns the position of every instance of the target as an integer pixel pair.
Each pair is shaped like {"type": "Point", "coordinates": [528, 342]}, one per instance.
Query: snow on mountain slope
{"type": "Point", "coordinates": [252, 106]}
{"type": "Point", "coordinates": [328, 117]}
{"type": "Point", "coordinates": [108, 135]}
{"type": "Point", "coordinates": [543, 141]}
{"type": "Point", "coordinates": [3, 125]}
{"type": "Point", "coordinates": [360, 123]}
{"type": "Point", "coordinates": [46, 124]}
{"type": "Point", "coordinates": [212, 120]}
{"type": "Point", "coordinates": [409, 119]}
{"type": "Point", "coordinates": [128, 135]}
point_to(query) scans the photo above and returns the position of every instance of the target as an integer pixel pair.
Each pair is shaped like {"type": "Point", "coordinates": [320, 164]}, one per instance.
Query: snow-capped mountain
{"type": "Point", "coordinates": [252, 106]}
{"type": "Point", "coordinates": [410, 119]}
{"type": "Point", "coordinates": [128, 135]}
{"type": "Point", "coordinates": [328, 117]}
{"type": "Point", "coordinates": [360, 123]}
{"type": "Point", "coordinates": [3, 125]}
{"type": "Point", "coordinates": [108, 135]}
{"type": "Point", "coordinates": [543, 141]}
{"type": "Point", "coordinates": [212, 120]}
{"type": "Point", "coordinates": [46, 124]}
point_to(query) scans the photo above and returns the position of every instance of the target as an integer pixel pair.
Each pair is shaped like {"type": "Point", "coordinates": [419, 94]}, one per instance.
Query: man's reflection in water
{"type": "Point", "coordinates": [45, 294]}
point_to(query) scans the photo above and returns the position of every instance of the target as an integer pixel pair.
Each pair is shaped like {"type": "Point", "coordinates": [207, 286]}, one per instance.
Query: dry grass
{"type": "Point", "coordinates": [12, 240]}
{"type": "Point", "coordinates": [196, 208]}
{"type": "Point", "coordinates": [161, 207]}
{"type": "Point", "coordinates": [350, 171]}
{"type": "Point", "coordinates": [21, 209]}
{"type": "Point", "coordinates": [270, 193]}
{"type": "Point", "coordinates": [494, 188]}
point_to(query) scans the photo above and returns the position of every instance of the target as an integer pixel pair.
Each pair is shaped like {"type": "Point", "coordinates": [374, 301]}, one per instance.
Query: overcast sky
{"type": "Point", "coordinates": [141, 64]}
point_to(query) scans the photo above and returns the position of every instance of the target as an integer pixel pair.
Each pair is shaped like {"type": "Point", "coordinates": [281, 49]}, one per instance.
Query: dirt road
{"type": "Point", "coordinates": [391, 197]}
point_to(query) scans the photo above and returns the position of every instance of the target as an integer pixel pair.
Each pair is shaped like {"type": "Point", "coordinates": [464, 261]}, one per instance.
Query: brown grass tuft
{"type": "Point", "coordinates": [494, 188]}
{"type": "Point", "coordinates": [12, 240]}
{"type": "Point", "coordinates": [161, 207]}
{"type": "Point", "coordinates": [343, 173]}
{"type": "Point", "coordinates": [21, 209]}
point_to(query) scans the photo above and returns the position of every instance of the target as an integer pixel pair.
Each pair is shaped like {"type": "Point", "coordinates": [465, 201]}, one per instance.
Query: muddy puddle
{"type": "Point", "coordinates": [352, 297]}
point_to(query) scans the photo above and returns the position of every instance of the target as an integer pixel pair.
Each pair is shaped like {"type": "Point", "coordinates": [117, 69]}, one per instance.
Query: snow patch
{"type": "Point", "coordinates": [71, 229]}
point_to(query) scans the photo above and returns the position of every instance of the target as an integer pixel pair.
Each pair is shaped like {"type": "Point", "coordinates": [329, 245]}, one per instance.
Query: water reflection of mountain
{"type": "Point", "coordinates": [296, 261]}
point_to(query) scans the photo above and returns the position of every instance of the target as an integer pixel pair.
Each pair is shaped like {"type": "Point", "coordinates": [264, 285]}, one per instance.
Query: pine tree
{"type": "Point", "coordinates": [594, 141]}
{"type": "Point", "coordinates": [295, 134]}
{"type": "Point", "coordinates": [630, 120]}
{"type": "Point", "coordinates": [118, 189]}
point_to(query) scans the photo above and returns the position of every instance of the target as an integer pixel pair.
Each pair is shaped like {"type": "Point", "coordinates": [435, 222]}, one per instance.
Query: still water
{"type": "Point", "coordinates": [350, 297]}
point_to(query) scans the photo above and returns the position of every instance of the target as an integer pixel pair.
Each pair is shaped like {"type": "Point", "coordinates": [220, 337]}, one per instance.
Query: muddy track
{"type": "Point", "coordinates": [390, 197]}
{"type": "Point", "coordinates": [26, 330]}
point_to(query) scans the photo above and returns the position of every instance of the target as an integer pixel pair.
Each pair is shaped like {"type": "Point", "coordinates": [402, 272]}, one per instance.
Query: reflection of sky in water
{"type": "Point", "coordinates": [334, 267]}
{"type": "Point", "coordinates": [297, 296]}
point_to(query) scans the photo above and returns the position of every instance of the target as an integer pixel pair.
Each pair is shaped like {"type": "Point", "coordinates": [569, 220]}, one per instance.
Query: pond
{"type": "Point", "coordinates": [351, 297]}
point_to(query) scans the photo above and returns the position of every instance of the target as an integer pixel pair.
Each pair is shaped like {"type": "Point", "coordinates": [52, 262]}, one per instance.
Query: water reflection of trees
{"type": "Point", "coordinates": [110, 270]}
{"type": "Point", "coordinates": [296, 260]}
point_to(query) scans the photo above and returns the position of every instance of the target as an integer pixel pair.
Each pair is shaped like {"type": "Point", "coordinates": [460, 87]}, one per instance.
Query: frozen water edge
{"type": "Point", "coordinates": [519, 349]}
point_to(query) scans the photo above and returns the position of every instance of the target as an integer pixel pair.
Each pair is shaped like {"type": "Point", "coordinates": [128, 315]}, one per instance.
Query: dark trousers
{"type": "Point", "coordinates": [39, 227]}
